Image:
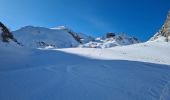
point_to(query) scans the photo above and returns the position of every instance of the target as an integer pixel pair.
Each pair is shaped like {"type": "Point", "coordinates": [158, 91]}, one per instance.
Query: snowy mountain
{"type": "Point", "coordinates": [62, 37]}
{"type": "Point", "coordinates": [131, 72]}
{"type": "Point", "coordinates": [164, 33]}
{"type": "Point", "coordinates": [111, 40]}
{"type": "Point", "coordinates": [59, 37]}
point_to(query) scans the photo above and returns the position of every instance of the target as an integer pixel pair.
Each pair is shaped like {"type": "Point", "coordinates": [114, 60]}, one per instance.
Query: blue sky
{"type": "Point", "coordinates": [139, 18]}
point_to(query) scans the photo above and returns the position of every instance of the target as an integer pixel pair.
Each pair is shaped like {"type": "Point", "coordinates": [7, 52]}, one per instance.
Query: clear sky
{"type": "Point", "coordinates": [139, 18]}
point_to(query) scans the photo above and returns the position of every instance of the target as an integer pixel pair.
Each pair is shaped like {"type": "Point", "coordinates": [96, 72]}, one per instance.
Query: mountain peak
{"type": "Point", "coordinates": [111, 40]}
{"type": "Point", "coordinates": [165, 30]}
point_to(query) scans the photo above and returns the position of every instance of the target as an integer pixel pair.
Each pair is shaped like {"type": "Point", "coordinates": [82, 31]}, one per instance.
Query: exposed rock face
{"type": "Point", "coordinates": [165, 30]}
{"type": "Point", "coordinates": [79, 37]}
{"type": "Point", "coordinates": [6, 35]}
{"type": "Point", "coordinates": [110, 35]}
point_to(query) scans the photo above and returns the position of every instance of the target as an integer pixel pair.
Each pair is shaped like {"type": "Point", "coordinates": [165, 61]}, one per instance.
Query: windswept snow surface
{"type": "Point", "coordinates": [137, 72]}
{"type": "Point", "coordinates": [151, 51]}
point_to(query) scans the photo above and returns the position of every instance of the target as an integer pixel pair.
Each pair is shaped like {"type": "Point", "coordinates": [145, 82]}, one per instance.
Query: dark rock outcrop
{"type": "Point", "coordinates": [6, 35]}
{"type": "Point", "coordinates": [110, 35]}
{"type": "Point", "coordinates": [165, 30]}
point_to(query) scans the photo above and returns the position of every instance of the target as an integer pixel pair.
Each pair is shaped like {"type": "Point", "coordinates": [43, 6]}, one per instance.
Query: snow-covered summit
{"type": "Point", "coordinates": [80, 37]}
{"type": "Point", "coordinates": [164, 33]}
{"type": "Point", "coordinates": [59, 37]}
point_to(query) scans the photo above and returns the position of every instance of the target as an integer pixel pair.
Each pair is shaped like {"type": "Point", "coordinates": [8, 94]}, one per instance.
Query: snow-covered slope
{"type": "Point", "coordinates": [37, 37]}
{"type": "Point", "coordinates": [107, 42]}
{"type": "Point", "coordinates": [137, 72]}
{"type": "Point", "coordinates": [151, 51]}
{"type": "Point", "coordinates": [80, 37]}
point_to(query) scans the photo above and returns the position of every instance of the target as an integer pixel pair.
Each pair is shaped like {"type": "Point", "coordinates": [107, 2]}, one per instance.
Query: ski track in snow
{"type": "Point", "coordinates": [84, 74]}
{"type": "Point", "coordinates": [165, 95]}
